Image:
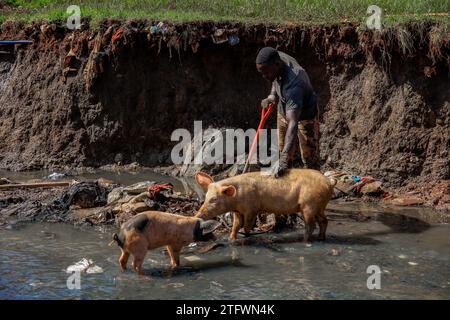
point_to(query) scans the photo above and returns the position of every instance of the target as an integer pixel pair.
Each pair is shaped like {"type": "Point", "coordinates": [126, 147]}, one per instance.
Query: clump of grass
{"type": "Point", "coordinates": [270, 11]}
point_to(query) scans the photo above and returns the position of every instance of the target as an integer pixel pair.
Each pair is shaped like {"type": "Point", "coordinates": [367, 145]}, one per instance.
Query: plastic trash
{"type": "Point", "coordinates": [228, 217]}
{"type": "Point", "coordinates": [233, 40]}
{"type": "Point", "coordinates": [84, 265]}
{"type": "Point", "coordinates": [219, 36]}
{"type": "Point", "coordinates": [193, 258]}
{"type": "Point", "coordinates": [56, 176]}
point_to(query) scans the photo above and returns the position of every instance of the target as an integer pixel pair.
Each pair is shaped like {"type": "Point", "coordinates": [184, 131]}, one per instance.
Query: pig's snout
{"type": "Point", "coordinates": [203, 213]}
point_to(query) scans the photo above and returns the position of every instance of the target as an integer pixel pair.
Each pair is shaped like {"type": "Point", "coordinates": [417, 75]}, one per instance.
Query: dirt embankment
{"type": "Point", "coordinates": [116, 93]}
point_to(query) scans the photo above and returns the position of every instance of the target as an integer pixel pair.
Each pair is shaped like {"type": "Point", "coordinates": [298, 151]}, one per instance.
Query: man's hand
{"type": "Point", "coordinates": [282, 165]}
{"type": "Point", "coordinates": [265, 102]}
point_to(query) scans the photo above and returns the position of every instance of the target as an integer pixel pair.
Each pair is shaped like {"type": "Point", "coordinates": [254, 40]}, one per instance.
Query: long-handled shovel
{"type": "Point", "coordinates": [264, 116]}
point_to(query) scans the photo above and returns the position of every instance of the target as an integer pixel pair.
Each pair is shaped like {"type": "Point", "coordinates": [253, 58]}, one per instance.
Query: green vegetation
{"type": "Point", "coordinates": [275, 11]}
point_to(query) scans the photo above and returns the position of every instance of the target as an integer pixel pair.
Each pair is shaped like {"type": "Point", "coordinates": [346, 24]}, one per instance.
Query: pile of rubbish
{"type": "Point", "coordinates": [125, 202]}
{"type": "Point", "coordinates": [94, 202]}
{"type": "Point", "coordinates": [352, 185]}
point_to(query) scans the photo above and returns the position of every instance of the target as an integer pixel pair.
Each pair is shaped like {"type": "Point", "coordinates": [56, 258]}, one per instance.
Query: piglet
{"type": "Point", "coordinates": [152, 229]}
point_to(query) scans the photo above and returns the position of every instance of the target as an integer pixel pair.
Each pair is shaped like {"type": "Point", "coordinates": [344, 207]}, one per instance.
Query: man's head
{"type": "Point", "coordinates": [269, 64]}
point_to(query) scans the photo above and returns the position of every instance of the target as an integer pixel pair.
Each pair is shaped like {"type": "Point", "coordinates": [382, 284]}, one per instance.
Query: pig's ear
{"type": "Point", "coordinates": [203, 179]}
{"type": "Point", "coordinates": [229, 191]}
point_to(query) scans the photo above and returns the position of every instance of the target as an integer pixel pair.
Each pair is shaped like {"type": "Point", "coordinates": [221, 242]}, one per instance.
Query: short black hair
{"type": "Point", "coordinates": [267, 55]}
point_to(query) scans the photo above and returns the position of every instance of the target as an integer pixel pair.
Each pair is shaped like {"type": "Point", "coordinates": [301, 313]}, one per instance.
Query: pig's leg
{"type": "Point", "coordinates": [323, 223]}
{"type": "Point", "coordinates": [310, 224]}
{"type": "Point", "coordinates": [237, 221]}
{"type": "Point", "coordinates": [123, 260]}
{"type": "Point", "coordinates": [174, 254]}
{"type": "Point", "coordinates": [137, 264]}
{"type": "Point", "coordinates": [139, 252]}
{"type": "Point", "coordinates": [249, 223]}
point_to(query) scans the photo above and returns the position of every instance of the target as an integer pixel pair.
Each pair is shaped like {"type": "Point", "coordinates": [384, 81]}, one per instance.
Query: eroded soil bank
{"type": "Point", "coordinates": [116, 92]}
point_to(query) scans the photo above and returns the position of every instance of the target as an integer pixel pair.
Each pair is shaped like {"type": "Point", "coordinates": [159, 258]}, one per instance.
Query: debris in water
{"type": "Point", "coordinates": [412, 263]}
{"type": "Point", "coordinates": [334, 252]}
{"type": "Point", "coordinates": [308, 245]}
{"type": "Point", "coordinates": [174, 285]}
{"type": "Point", "coordinates": [193, 258]}
{"type": "Point", "coordinates": [402, 256]}
{"type": "Point", "coordinates": [84, 265]}
{"type": "Point", "coordinates": [56, 176]}
{"type": "Point", "coordinates": [5, 181]}
{"type": "Point", "coordinates": [407, 201]}
{"type": "Point", "coordinates": [210, 247]}
{"type": "Point", "coordinates": [217, 284]}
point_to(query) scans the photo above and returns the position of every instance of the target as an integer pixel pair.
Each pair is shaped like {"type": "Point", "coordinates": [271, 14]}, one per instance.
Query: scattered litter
{"type": "Point", "coordinates": [193, 258]}
{"type": "Point", "coordinates": [412, 263]}
{"type": "Point", "coordinates": [217, 284]}
{"type": "Point", "coordinates": [350, 184]}
{"type": "Point", "coordinates": [210, 247]}
{"type": "Point", "coordinates": [334, 252]}
{"type": "Point", "coordinates": [219, 36]}
{"type": "Point", "coordinates": [284, 261]}
{"type": "Point", "coordinates": [174, 285]}
{"type": "Point", "coordinates": [233, 40]}
{"type": "Point", "coordinates": [56, 176]}
{"type": "Point", "coordinates": [117, 35]}
{"type": "Point", "coordinates": [193, 245]}
{"type": "Point", "coordinates": [84, 265]}
{"type": "Point", "coordinates": [154, 190]}
{"type": "Point", "coordinates": [407, 201]}
{"type": "Point", "coordinates": [5, 181]}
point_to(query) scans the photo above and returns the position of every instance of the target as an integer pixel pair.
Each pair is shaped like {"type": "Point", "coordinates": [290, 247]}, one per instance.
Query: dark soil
{"type": "Point", "coordinates": [385, 102]}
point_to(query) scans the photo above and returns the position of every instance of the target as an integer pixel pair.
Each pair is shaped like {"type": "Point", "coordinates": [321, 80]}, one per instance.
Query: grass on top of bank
{"type": "Point", "coordinates": [252, 11]}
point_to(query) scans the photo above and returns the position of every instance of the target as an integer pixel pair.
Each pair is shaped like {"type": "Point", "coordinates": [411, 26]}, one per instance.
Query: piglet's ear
{"type": "Point", "coordinates": [229, 191]}
{"type": "Point", "coordinates": [203, 179]}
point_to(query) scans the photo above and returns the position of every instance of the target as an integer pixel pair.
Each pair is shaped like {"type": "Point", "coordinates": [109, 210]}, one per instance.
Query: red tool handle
{"type": "Point", "coordinates": [264, 116]}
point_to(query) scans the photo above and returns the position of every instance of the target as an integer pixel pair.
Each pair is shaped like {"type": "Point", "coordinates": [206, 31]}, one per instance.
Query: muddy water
{"type": "Point", "coordinates": [411, 246]}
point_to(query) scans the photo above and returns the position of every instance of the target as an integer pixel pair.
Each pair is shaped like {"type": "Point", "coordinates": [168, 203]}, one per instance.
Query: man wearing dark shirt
{"type": "Point", "coordinates": [297, 107]}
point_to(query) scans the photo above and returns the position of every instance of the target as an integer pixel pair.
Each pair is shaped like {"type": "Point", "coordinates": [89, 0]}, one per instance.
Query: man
{"type": "Point", "coordinates": [297, 107]}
